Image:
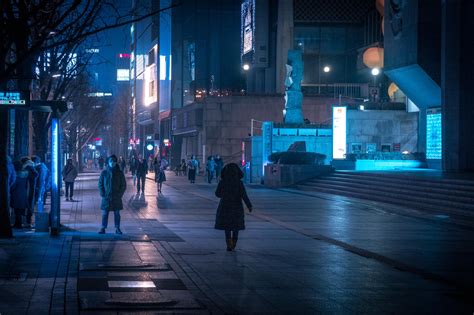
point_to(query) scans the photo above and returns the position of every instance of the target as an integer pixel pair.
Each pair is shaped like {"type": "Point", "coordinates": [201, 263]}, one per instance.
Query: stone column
{"type": "Point", "coordinates": [284, 41]}
{"type": "Point", "coordinates": [457, 81]}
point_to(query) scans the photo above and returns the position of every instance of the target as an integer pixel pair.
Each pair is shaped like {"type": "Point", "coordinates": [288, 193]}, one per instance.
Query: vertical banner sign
{"type": "Point", "coordinates": [55, 176]}
{"type": "Point", "coordinates": [267, 131]}
{"type": "Point", "coordinates": [433, 134]}
{"type": "Point", "coordinates": [339, 121]}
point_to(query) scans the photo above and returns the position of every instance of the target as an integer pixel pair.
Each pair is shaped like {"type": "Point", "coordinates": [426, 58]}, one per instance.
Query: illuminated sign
{"type": "Point", "coordinates": [433, 134]}
{"type": "Point", "coordinates": [124, 55]}
{"type": "Point", "coordinates": [339, 121]}
{"type": "Point", "coordinates": [99, 94]}
{"type": "Point", "coordinates": [123, 74]}
{"type": "Point", "coordinates": [150, 94]}
{"type": "Point", "coordinates": [247, 25]}
{"type": "Point", "coordinates": [267, 132]}
{"type": "Point", "coordinates": [167, 142]}
{"type": "Point", "coordinates": [12, 98]}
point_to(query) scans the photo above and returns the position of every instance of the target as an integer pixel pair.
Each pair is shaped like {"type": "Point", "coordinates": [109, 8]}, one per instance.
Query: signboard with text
{"type": "Point", "coordinates": [14, 99]}
{"type": "Point", "coordinates": [339, 121]}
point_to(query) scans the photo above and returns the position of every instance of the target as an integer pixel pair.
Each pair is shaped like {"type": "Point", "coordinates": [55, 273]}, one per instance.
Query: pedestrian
{"type": "Point", "coordinates": [42, 184]}
{"type": "Point", "coordinates": [11, 178]}
{"type": "Point", "coordinates": [101, 163]}
{"type": "Point", "coordinates": [69, 176]}
{"type": "Point", "coordinates": [192, 168]}
{"type": "Point", "coordinates": [183, 167]}
{"type": "Point", "coordinates": [160, 176]}
{"type": "Point", "coordinates": [219, 165]}
{"type": "Point", "coordinates": [19, 194]}
{"type": "Point", "coordinates": [123, 165]}
{"type": "Point", "coordinates": [133, 169]}
{"type": "Point", "coordinates": [230, 212]}
{"type": "Point", "coordinates": [29, 166]}
{"type": "Point", "coordinates": [210, 168]}
{"type": "Point", "coordinates": [112, 186]}
{"type": "Point", "coordinates": [141, 171]}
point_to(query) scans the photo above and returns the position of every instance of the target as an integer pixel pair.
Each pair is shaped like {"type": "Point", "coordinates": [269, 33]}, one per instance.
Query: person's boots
{"type": "Point", "coordinates": [234, 243]}
{"type": "Point", "coordinates": [229, 244]}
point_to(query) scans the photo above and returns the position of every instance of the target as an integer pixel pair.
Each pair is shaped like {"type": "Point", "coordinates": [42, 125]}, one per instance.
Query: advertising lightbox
{"type": "Point", "coordinates": [339, 129]}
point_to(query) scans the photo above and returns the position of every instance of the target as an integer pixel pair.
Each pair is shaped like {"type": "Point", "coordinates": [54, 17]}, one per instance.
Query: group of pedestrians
{"type": "Point", "coordinates": [214, 166]}
{"type": "Point", "coordinates": [28, 180]}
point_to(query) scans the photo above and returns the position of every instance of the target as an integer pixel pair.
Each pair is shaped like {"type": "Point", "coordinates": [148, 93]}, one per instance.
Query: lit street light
{"type": "Point", "coordinates": [246, 66]}
{"type": "Point", "coordinates": [326, 69]}
{"type": "Point", "coordinates": [375, 71]}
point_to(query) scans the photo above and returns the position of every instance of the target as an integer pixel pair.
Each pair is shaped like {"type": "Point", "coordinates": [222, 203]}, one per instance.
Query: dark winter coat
{"type": "Point", "coordinates": [42, 183]}
{"type": "Point", "coordinates": [230, 212]}
{"type": "Point", "coordinates": [19, 190]}
{"type": "Point", "coordinates": [32, 178]}
{"type": "Point", "coordinates": [159, 169]}
{"type": "Point", "coordinates": [112, 186]}
{"type": "Point", "coordinates": [69, 173]}
{"type": "Point", "coordinates": [141, 168]}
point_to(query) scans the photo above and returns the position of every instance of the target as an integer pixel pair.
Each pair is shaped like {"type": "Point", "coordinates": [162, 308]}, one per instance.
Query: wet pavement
{"type": "Point", "coordinates": [302, 253]}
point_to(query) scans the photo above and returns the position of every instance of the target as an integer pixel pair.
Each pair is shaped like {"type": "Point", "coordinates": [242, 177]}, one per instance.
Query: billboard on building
{"type": "Point", "coordinates": [247, 26]}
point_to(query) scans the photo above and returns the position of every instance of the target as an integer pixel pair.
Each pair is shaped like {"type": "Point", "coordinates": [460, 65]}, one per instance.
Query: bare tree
{"type": "Point", "coordinates": [82, 121]}
{"type": "Point", "coordinates": [29, 28]}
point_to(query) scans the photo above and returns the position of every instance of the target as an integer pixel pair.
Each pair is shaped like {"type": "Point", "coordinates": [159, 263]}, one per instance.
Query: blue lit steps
{"type": "Point", "coordinates": [456, 192]}
{"type": "Point", "coordinates": [434, 195]}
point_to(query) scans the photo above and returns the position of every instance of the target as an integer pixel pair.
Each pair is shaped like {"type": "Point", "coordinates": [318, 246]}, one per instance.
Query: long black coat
{"type": "Point", "coordinates": [19, 190]}
{"type": "Point", "coordinates": [112, 186]}
{"type": "Point", "coordinates": [230, 212]}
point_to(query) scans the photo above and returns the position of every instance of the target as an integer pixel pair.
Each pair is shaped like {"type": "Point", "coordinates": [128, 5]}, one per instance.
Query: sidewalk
{"type": "Point", "coordinates": [300, 254]}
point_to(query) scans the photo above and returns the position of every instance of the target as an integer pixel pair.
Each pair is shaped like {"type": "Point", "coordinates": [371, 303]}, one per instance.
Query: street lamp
{"type": "Point", "coordinates": [246, 67]}
{"type": "Point", "coordinates": [375, 71]}
{"type": "Point", "coordinates": [327, 69]}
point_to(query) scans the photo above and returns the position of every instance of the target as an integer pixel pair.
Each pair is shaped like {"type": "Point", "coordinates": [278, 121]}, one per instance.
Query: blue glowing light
{"type": "Point", "coordinates": [433, 134]}
{"type": "Point", "coordinates": [54, 153]}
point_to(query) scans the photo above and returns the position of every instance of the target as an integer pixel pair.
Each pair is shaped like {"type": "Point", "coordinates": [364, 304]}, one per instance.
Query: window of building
{"type": "Point", "coordinates": [151, 88]}
{"type": "Point", "coordinates": [151, 57]}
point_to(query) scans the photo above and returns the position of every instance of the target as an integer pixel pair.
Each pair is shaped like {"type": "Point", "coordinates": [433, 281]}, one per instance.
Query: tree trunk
{"type": "Point", "coordinates": [5, 228]}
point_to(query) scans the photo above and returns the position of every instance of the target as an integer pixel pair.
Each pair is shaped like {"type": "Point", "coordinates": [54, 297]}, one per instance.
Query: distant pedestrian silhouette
{"type": "Point", "coordinates": [230, 212]}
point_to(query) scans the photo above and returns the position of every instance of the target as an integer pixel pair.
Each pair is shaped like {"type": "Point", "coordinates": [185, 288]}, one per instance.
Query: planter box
{"type": "Point", "coordinates": [280, 175]}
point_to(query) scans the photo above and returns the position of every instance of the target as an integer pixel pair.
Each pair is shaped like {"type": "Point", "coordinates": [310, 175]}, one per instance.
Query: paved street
{"type": "Point", "coordinates": [302, 253]}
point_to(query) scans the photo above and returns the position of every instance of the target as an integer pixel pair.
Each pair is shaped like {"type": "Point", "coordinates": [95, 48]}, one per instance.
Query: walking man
{"type": "Point", "coordinates": [141, 171]}
{"type": "Point", "coordinates": [112, 186]}
{"type": "Point", "coordinates": [69, 176]}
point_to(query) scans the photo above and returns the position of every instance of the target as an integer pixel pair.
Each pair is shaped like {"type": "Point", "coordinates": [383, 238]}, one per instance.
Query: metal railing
{"type": "Point", "coordinates": [350, 90]}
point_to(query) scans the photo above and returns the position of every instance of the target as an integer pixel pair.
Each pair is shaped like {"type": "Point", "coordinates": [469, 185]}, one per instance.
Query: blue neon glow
{"type": "Point", "coordinates": [54, 153]}
{"type": "Point", "coordinates": [433, 134]}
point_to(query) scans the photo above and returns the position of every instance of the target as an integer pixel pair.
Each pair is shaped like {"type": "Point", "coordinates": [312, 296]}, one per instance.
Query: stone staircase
{"type": "Point", "coordinates": [453, 197]}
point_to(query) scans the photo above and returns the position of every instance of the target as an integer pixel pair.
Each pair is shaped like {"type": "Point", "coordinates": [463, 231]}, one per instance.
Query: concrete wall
{"type": "Point", "coordinates": [227, 120]}
{"type": "Point", "coordinates": [382, 126]}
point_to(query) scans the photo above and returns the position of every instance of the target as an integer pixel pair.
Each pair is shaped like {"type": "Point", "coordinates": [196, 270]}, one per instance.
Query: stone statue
{"type": "Point", "coordinates": [293, 95]}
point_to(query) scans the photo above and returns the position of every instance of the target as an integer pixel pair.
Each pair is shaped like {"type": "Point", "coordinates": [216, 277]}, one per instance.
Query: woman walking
{"type": "Point", "coordinates": [112, 186]}
{"type": "Point", "coordinates": [160, 176]}
{"type": "Point", "coordinates": [230, 212]}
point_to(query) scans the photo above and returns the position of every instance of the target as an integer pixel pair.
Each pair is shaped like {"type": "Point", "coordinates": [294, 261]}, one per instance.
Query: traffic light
{"type": "Point", "coordinates": [150, 145]}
